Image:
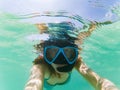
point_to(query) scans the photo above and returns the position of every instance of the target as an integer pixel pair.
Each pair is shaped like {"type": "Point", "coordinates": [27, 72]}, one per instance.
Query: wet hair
{"type": "Point", "coordinates": [59, 43]}
{"type": "Point", "coordinates": [59, 37]}
{"type": "Point", "coordinates": [60, 59]}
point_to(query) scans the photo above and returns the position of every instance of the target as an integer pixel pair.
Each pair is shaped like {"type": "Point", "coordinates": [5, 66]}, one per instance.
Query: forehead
{"type": "Point", "coordinates": [59, 43]}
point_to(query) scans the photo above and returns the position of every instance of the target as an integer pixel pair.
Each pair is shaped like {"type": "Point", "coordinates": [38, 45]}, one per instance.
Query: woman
{"type": "Point", "coordinates": [59, 55]}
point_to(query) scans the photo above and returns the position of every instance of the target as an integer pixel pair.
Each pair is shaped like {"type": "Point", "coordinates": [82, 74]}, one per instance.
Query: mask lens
{"type": "Point", "coordinates": [70, 53]}
{"type": "Point", "coordinates": [51, 52]}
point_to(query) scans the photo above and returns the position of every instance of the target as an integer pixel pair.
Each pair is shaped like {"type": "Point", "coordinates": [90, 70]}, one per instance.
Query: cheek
{"type": "Point", "coordinates": [55, 67]}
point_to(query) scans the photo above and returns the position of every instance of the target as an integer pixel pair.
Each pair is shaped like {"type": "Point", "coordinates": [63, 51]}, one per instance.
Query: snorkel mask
{"type": "Point", "coordinates": [60, 52]}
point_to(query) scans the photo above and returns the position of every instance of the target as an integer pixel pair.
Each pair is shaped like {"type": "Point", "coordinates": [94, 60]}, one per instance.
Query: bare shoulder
{"type": "Point", "coordinates": [42, 66]}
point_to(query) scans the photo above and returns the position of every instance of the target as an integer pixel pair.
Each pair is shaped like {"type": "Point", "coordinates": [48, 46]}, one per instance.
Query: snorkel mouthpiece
{"type": "Point", "coordinates": [67, 68]}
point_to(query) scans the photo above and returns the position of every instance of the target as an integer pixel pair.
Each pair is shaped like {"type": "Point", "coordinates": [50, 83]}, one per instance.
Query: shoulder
{"type": "Point", "coordinates": [43, 66]}
{"type": "Point", "coordinates": [39, 60]}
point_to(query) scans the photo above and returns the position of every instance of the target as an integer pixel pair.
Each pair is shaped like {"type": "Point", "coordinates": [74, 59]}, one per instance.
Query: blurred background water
{"type": "Point", "coordinates": [101, 50]}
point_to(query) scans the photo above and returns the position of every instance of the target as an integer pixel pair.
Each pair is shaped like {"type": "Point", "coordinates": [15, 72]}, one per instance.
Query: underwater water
{"type": "Point", "coordinates": [101, 52]}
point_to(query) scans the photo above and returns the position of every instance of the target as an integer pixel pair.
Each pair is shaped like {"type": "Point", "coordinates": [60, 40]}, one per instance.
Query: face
{"type": "Point", "coordinates": [61, 58]}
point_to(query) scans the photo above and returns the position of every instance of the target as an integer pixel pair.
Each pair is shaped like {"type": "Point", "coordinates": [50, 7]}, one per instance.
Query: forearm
{"type": "Point", "coordinates": [83, 35]}
{"type": "Point", "coordinates": [36, 78]}
{"type": "Point", "coordinates": [95, 80]}
{"type": "Point", "coordinates": [87, 73]}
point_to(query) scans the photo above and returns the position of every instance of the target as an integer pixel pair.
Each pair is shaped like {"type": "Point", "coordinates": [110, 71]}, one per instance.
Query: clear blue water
{"type": "Point", "coordinates": [101, 52]}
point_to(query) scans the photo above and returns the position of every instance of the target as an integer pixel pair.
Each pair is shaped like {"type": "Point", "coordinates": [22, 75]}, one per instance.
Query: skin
{"type": "Point", "coordinates": [39, 71]}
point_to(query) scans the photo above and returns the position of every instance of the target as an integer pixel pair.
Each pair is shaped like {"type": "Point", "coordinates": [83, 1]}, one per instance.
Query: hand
{"type": "Point", "coordinates": [42, 27]}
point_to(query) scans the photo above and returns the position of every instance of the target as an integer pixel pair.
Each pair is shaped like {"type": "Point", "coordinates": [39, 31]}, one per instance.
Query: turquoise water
{"type": "Point", "coordinates": [101, 52]}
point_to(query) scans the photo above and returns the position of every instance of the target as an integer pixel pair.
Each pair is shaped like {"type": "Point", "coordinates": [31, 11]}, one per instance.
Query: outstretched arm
{"type": "Point", "coordinates": [95, 80]}
{"type": "Point", "coordinates": [36, 78]}
{"type": "Point", "coordinates": [85, 34]}
{"type": "Point", "coordinates": [91, 28]}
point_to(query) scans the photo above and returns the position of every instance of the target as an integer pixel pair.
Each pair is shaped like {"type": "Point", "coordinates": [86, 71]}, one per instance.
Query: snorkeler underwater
{"type": "Point", "coordinates": [59, 50]}
{"type": "Point", "coordinates": [60, 53]}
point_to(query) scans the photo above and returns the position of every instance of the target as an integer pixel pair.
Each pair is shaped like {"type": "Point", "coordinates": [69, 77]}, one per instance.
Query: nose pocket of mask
{"type": "Point", "coordinates": [61, 59]}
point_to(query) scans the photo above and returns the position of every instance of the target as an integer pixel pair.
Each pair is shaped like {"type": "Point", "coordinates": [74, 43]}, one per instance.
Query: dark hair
{"type": "Point", "coordinates": [59, 43]}
{"type": "Point", "coordinates": [61, 37]}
